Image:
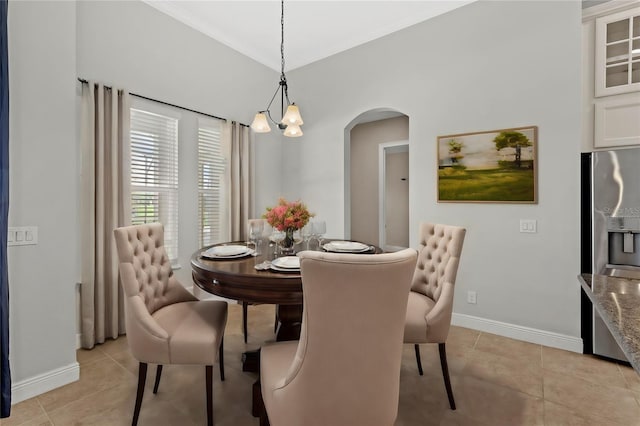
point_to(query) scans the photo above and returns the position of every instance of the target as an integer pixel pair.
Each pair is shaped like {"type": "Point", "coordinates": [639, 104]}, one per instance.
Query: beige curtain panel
{"type": "Point", "coordinates": [105, 205]}
{"type": "Point", "coordinates": [238, 150]}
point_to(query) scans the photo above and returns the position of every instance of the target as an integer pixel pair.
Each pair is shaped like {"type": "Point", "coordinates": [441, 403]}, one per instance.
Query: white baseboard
{"type": "Point", "coordinates": [531, 335]}
{"type": "Point", "coordinates": [44, 382]}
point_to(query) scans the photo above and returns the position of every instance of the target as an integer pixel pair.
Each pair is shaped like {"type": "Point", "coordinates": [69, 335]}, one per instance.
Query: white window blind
{"type": "Point", "coordinates": [211, 170]}
{"type": "Point", "coordinates": [154, 174]}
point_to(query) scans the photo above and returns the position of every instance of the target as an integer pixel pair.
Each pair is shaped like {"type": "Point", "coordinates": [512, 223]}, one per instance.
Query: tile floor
{"type": "Point", "coordinates": [496, 381]}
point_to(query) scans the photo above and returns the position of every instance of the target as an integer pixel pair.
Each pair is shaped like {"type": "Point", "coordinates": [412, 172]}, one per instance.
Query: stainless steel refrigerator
{"type": "Point", "coordinates": [610, 231]}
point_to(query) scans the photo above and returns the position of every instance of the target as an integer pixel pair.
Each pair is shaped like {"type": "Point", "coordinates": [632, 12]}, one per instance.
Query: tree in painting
{"type": "Point", "coordinates": [455, 149]}
{"type": "Point", "coordinates": [512, 139]}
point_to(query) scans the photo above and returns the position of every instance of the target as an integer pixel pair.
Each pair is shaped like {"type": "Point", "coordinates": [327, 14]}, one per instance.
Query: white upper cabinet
{"type": "Point", "coordinates": [617, 53]}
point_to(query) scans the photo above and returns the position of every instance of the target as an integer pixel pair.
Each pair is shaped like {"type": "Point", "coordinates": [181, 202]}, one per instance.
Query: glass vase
{"type": "Point", "coordinates": [288, 243]}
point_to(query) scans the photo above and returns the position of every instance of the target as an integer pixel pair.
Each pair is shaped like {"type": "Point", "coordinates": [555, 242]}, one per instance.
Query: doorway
{"type": "Point", "coordinates": [393, 195]}
{"type": "Point", "coordinates": [364, 137]}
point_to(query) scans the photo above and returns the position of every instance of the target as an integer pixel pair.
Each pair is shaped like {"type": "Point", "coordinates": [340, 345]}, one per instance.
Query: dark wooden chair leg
{"type": "Point", "coordinates": [221, 359]}
{"type": "Point", "coordinates": [245, 306]}
{"type": "Point", "coordinates": [418, 360]}
{"type": "Point", "coordinates": [142, 378]}
{"type": "Point", "coordinates": [445, 374]}
{"type": "Point", "coordinates": [158, 374]}
{"type": "Point", "coordinates": [259, 410]}
{"type": "Point", "coordinates": [209, 384]}
{"type": "Point", "coordinates": [275, 323]}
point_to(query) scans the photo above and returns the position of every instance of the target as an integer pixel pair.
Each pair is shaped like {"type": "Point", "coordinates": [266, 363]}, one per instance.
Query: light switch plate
{"type": "Point", "coordinates": [528, 226]}
{"type": "Point", "coordinates": [22, 236]}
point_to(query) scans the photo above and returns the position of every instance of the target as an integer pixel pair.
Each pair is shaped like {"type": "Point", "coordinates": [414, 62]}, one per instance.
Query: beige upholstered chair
{"type": "Point", "coordinates": [165, 323]}
{"type": "Point", "coordinates": [431, 298]}
{"type": "Point", "coordinates": [345, 370]}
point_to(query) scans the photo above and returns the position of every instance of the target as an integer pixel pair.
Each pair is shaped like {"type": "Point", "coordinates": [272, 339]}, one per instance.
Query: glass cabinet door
{"type": "Point", "coordinates": [618, 53]}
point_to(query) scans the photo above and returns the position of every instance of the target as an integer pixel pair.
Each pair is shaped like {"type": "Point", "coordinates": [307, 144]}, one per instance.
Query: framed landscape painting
{"type": "Point", "coordinates": [496, 166]}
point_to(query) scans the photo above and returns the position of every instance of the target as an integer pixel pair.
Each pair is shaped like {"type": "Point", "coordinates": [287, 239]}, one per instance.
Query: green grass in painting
{"type": "Point", "coordinates": [503, 184]}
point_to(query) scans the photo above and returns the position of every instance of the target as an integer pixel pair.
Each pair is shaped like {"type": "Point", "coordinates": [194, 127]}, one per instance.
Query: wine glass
{"type": "Point", "coordinates": [297, 236]}
{"type": "Point", "coordinates": [307, 233]}
{"type": "Point", "coordinates": [276, 237]}
{"type": "Point", "coordinates": [319, 229]}
{"type": "Point", "coordinates": [256, 227]}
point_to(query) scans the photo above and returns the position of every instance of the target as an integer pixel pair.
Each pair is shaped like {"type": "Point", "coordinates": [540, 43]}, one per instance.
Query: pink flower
{"type": "Point", "coordinates": [287, 215]}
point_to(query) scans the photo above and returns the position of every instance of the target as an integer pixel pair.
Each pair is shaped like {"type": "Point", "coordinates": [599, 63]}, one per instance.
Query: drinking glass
{"type": "Point", "coordinates": [256, 227]}
{"type": "Point", "coordinates": [297, 237]}
{"type": "Point", "coordinates": [276, 237]}
{"type": "Point", "coordinates": [307, 233]}
{"type": "Point", "coordinates": [319, 229]}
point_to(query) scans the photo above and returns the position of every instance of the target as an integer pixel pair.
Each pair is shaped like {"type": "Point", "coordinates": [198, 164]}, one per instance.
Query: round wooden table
{"type": "Point", "coordinates": [238, 279]}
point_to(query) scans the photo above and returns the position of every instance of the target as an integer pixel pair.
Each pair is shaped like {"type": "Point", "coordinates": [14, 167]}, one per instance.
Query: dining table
{"type": "Point", "coordinates": [250, 279]}
{"type": "Point", "coordinates": [239, 279]}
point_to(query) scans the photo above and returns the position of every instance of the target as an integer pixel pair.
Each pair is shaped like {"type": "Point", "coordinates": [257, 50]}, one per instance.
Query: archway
{"type": "Point", "coordinates": [371, 140]}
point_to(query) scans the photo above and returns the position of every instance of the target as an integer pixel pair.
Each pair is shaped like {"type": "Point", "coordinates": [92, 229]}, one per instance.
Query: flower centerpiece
{"type": "Point", "coordinates": [288, 217]}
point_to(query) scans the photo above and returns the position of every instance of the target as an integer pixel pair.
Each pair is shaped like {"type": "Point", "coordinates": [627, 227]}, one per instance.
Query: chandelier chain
{"type": "Point", "coordinates": [282, 37]}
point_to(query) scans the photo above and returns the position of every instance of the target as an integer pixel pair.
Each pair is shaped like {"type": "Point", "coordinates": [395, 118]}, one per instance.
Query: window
{"type": "Point", "coordinates": [211, 169]}
{"type": "Point", "coordinates": [154, 174]}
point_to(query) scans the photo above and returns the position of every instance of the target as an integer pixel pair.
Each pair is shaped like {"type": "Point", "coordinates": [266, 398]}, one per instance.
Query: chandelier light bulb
{"type": "Point", "coordinates": [260, 123]}
{"type": "Point", "coordinates": [293, 131]}
{"type": "Point", "coordinates": [292, 116]}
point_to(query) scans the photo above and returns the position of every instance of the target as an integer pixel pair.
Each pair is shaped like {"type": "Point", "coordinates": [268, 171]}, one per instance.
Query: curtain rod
{"type": "Point", "coordinates": [82, 80]}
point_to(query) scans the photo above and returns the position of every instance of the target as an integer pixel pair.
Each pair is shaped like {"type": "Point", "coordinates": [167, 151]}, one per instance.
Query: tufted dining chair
{"type": "Point", "coordinates": [345, 369]}
{"type": "Point", "coordinates": [165, 324]}
{"type": "Point", "coordinates": [430, 303]}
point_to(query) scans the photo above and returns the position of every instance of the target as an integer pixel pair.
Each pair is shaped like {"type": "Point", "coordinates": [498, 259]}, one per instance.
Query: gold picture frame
{"type": "Point", "coordinates": [494, 166]}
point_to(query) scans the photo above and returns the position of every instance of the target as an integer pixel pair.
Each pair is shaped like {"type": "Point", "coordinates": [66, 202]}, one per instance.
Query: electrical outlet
{"type": "Point", "coordinates": [471, 297]}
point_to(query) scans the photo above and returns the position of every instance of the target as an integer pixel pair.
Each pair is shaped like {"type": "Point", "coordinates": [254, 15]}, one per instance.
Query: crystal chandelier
{"type": "Point", "coordinates": [291, 120]}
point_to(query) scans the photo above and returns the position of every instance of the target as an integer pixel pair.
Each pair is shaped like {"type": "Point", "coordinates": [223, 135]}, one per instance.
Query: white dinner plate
{"type": "Point", "coordinates": [278, 269]}
{"type": "Point", "coordinates": [286, 262]}
{"type": "Point", "coordinates": [346, 247]}
{"type": "Point", "coordinates": [227, 252]}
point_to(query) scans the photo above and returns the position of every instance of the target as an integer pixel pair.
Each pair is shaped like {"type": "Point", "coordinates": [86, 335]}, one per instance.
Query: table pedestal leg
{"type": "Point", "coordinates": [290, 321]}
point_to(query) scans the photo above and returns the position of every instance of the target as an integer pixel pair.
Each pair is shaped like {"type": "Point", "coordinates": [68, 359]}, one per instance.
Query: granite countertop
{"type": "Point", "coordinates": [617, 300]}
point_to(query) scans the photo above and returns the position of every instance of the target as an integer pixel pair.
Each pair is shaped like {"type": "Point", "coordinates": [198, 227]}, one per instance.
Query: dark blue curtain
{"type": "Point", "coordinates": [5, 374]}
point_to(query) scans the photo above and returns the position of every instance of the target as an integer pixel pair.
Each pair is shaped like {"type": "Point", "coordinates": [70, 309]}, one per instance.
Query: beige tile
{"type": "Point", "coordinates": [514, 372]}
{"type": "Point", "coordinates": [592, 400]}
{"type": "Point", "coordinates": [510, 348]}
{"type": "Point", "coordinates": [84, 356]}
{"type": "Point", "coordinates": [454, 418]}
{"type": "Point", "coordinates": [23, 412]}
{"type": "Point", "coordinates": [95, 403]}
{"type": "Point", "coordinates": [41, 420]}
{"type": "Point", "coordinates": [100, 375]}
{"type": "Point", "coordinates": [495, 382]}
{"type": "Point", "coordinates": [423, 400]}
{"type": "Point", "coordinates": [631, 378]}
{"type": "Point", "coordinates": [587, 367]}
{"type": "Point", "coordinates": [111, 346]}
{"type": "Point", "coordinates": [127, 361]}
{"type": "Point", "coordinates": [558, 415]}
{"type": "Point", "coordinates": [491, 404]}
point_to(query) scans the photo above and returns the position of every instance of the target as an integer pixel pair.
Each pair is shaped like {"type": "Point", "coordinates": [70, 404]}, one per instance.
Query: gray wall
{"type": "Point", "coordinates": [43, 182]}
{"type": "Point", "coordinates": [488, 65]}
